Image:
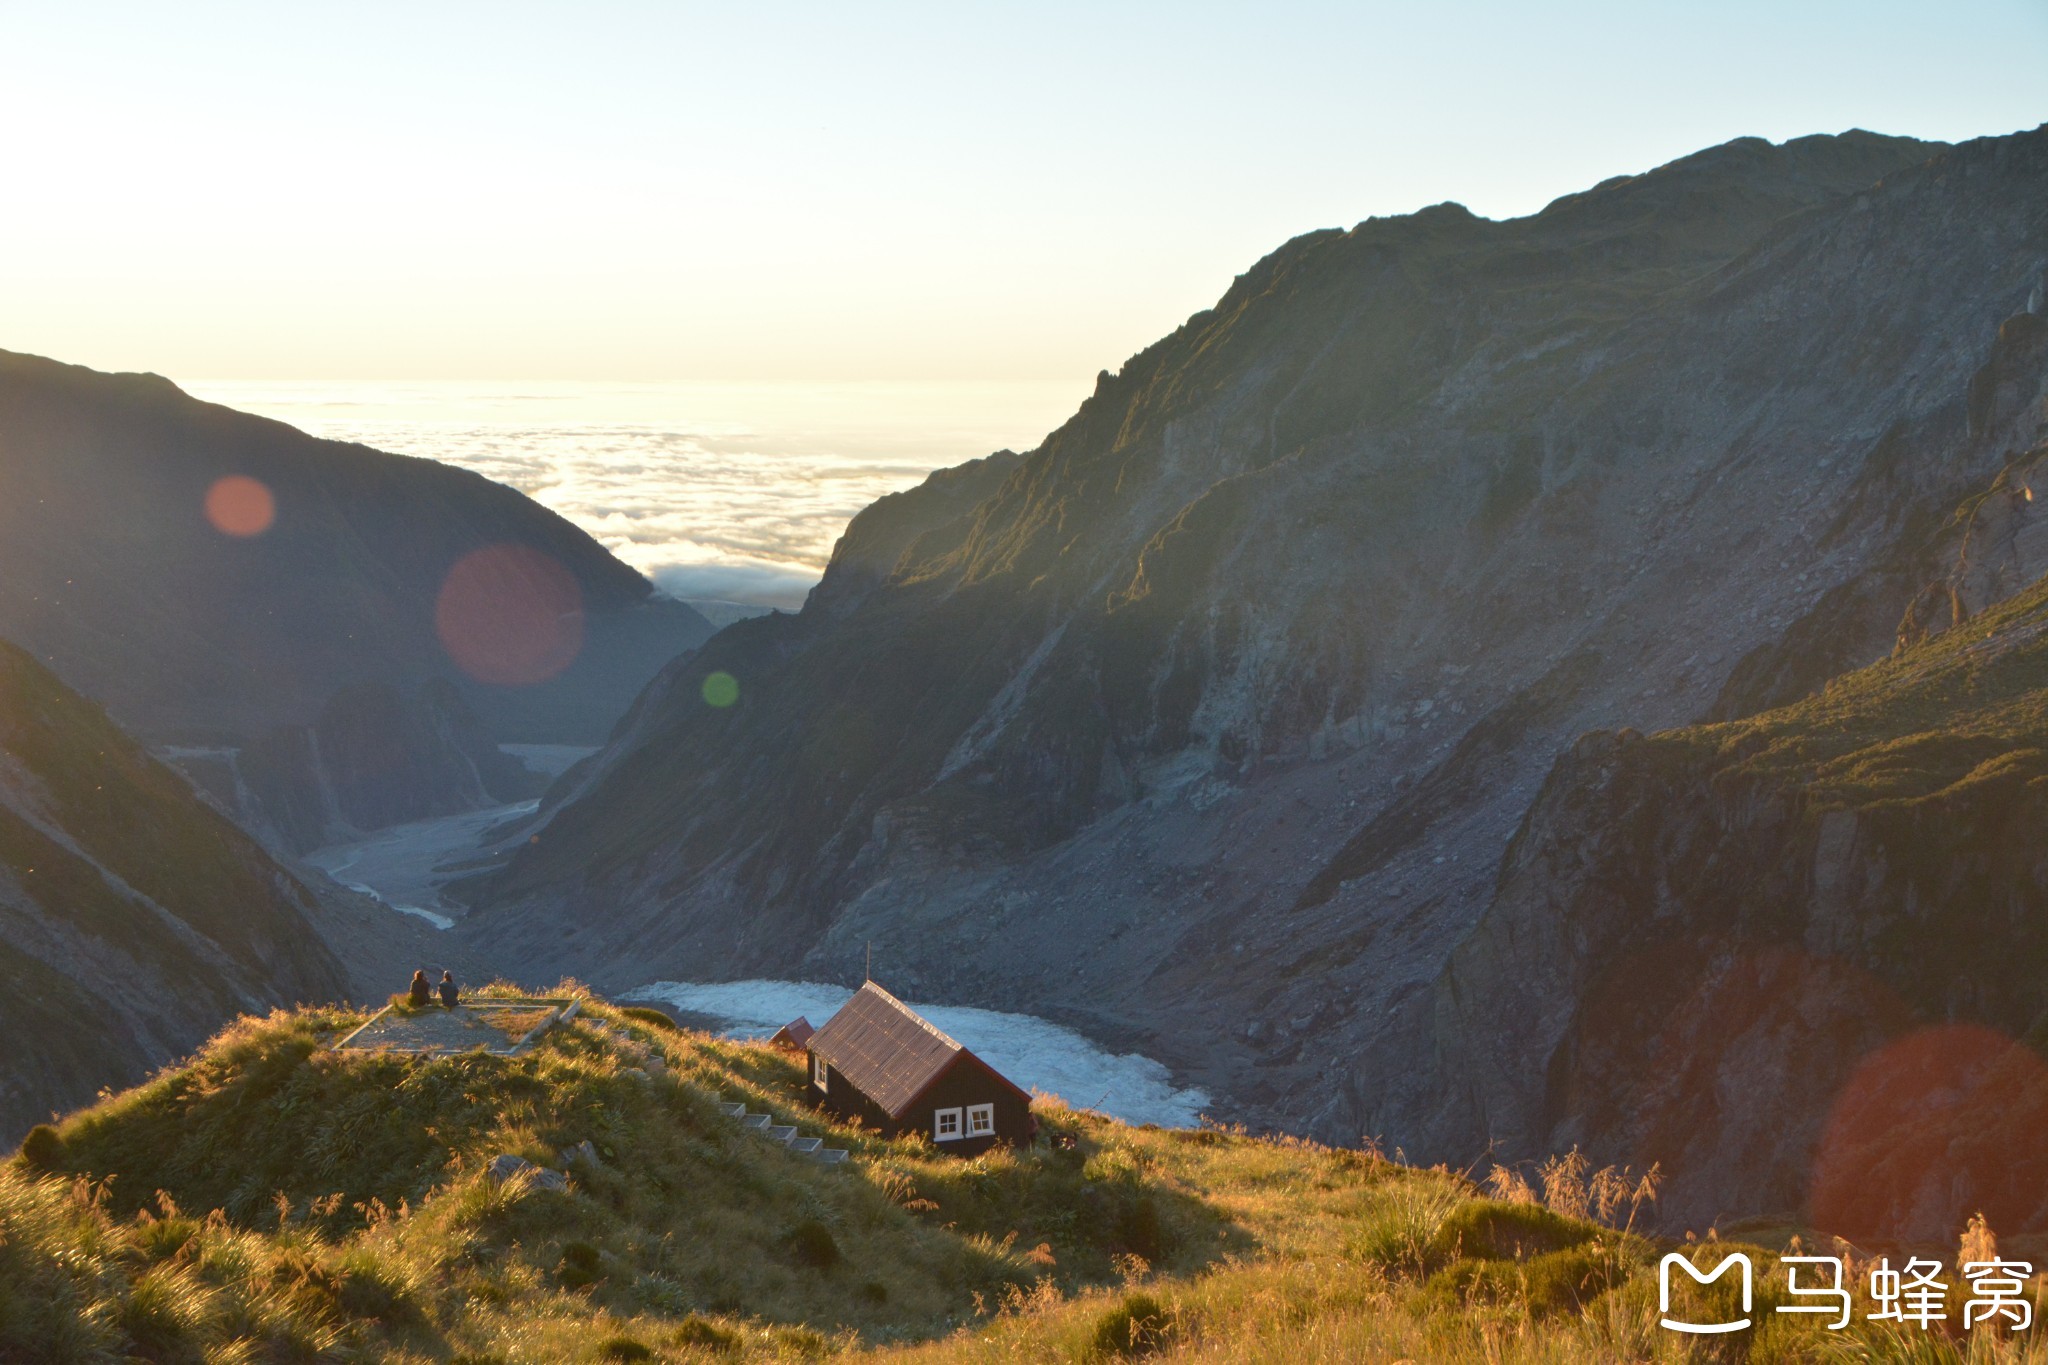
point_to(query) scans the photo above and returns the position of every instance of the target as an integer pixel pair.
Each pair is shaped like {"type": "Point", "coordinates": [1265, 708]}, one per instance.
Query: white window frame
{"type": "Point", "coordinates": [819, 1070]}
{"type": "Point", "coordinates": [939, 1133]}
{"type": "Point", "coordinates": [981, 1120]}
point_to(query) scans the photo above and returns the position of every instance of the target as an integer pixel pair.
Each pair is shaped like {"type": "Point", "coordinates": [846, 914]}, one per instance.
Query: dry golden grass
{"type": "Point", "coordinates": [272, 1200]}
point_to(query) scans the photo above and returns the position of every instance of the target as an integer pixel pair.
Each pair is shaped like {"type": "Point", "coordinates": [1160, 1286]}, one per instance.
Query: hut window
{"type": "Point", "coordinates": [981, 1120]}
{"type": "Point", "coordinates": [818, 1071]}
{"type": "Point", "coordinates": [946, 1125]}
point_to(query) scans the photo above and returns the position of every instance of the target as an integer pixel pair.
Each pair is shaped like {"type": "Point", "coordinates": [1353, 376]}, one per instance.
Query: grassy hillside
{"type": "Point", "coordinates": [274, 1200]}
{"type": "Point", "coordinates": [1969, 705]}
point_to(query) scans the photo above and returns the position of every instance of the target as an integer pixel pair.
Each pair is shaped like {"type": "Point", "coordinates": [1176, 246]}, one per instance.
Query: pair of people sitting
{"type": "Point", "coordinates": [423, 992]}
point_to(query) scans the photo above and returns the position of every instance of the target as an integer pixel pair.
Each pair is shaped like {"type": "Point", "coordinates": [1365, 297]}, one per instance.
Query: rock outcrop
{"type": "Point", "coordinates": [1799, 960]}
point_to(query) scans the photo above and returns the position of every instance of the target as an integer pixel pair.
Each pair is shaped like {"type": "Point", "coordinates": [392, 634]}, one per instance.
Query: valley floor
{"type": "Point", "coordinates": [406, 866]}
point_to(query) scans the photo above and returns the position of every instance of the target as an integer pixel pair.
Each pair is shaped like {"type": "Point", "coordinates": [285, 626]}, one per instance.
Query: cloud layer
{"type": "Point", "coordinates": [726, 492]}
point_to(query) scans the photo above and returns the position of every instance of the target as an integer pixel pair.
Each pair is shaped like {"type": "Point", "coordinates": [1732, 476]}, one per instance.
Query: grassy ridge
{"type": "Point", "coordinates": [1969, 705]}
{"type": "Point", "coordinates": [272, 1200]}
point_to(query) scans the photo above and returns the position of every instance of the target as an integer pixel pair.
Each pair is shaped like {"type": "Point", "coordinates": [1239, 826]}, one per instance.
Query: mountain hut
{"type": "Point", "coordinates": [881, 1062]}
{"type": "Point", "coordinates": [794, 1035]}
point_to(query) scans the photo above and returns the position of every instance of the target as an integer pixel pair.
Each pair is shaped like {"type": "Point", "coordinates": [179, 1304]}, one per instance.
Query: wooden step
{"type": "Point", "coordinates": [829, 1156]}
{"type": "Point", "coordinates": [782, 1132]}
{"type": "Point", "coordinates": [807, 1146]}
{"type": "Point", "coordinates": [757, 1122]}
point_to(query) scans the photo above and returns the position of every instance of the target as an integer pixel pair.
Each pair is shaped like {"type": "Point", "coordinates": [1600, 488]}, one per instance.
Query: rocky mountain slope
{"type": "Point", "coordinates": [1205, 724]}
{"type": "Point", "coordinates": [372, 757]}
{"type": "Point", "coordinates": [209, 576]}
{"type": "Point", "coordinates": [1800, 959]}
{"type": "Point", "coordinates": [133, 920]}
{"type": "Point", "coordinates": [1793, 957]}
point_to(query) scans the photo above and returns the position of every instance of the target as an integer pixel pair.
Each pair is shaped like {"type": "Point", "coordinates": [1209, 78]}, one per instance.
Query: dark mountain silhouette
{"type": "Point", "coordinates": [208, 575]}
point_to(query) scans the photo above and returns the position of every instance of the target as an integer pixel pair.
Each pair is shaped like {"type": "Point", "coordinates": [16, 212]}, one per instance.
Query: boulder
{"type": "Point", "coordinates": [505, 1165]}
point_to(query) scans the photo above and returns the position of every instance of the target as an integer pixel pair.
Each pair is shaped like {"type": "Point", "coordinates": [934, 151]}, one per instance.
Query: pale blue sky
{"type": "Point", "coordinates": [901, 191]}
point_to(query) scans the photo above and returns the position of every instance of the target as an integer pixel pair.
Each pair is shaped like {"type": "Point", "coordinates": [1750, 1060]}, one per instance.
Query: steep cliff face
{"type": "Point", "coordinates": [374, 756]}
{"type": "Point", "coordinates": [1204, 725]}
{"type": "Point", "coordinates": [133, 920]}
{"type": "Point", "coordinates": [198, 610]}
{"type": "Point", "coordinates": [1792, 958]}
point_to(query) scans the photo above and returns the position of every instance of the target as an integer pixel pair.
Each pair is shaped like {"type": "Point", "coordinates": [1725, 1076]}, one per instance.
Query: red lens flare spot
{"type": "Point", "coordinates": [240, 506]}
{"type": "Point", "coordinates": [510, 615]}
{"type": "Point", "coordinates": [1930, 1128]}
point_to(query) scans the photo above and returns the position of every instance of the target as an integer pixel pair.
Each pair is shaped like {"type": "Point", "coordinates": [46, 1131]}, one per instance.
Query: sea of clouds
{"type": "Point", "coordinates": [729, 495]}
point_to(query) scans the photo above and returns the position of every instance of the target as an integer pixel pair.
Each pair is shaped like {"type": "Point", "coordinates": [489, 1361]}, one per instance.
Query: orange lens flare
{"type": "Point", "coordinates": [240, 506]}
{"type": "Point", "coordinates": [510, 615]}
{"type": "Point", "coordinates": [1931, 1127]}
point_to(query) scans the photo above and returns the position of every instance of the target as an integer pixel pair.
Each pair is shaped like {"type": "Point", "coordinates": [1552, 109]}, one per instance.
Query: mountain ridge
{"type": "Point", "coordinates": [1205, 728]}
{"type": "Point", "coordinates": [188, 634]}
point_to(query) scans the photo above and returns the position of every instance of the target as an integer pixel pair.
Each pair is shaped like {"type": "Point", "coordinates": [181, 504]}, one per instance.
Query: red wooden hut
{"type": "Point", "coordinates": [794, 1035]}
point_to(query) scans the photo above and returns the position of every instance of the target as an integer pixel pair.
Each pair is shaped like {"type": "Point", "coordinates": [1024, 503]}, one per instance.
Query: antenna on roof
{"type": "Point", "coordinates": [871, 960]}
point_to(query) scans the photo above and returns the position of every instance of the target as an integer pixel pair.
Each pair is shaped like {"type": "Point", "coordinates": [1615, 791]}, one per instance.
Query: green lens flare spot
{"type": "Point", "coordinates": [721, 689]}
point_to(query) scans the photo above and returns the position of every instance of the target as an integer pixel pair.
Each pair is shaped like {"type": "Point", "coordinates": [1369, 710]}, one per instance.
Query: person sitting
{"type": "Point", "coordinates": [449, 990]}
{"type": "Point", "coordinates": [422, 993]}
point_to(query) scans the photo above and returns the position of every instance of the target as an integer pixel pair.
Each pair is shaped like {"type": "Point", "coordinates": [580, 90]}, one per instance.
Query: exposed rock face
{"type": "Point", "coordinates": [1790, 958]}
{"type": "Point", "coordinates": [374, 757]}
{"type": "Point", "coordinates": [134, 921]}
{"type": "Point", "coordinates": [1204, 724]}
{"type": "Point", "coordinates": [112, 571]}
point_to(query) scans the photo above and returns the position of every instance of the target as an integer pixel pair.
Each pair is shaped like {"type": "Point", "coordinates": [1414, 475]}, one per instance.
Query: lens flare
{"type": "Point", "coordinates": [1931, 1127]}
{"type": "Point", "coordinates": [240, 506]}
{"type": "Point", "coordinates": [721, 690]}
{"type": "Point", "coordinates": [510, 615]}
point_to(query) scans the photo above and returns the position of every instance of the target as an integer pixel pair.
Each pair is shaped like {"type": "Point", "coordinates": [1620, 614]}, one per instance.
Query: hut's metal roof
{"type": "Point", "coordinates": [798, 1031]}
{"type": "Point", "coordinates": [888, 1051]}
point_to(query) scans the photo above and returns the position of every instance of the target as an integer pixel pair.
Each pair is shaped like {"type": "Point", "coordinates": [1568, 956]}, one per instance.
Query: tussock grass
{"type": "Point", "coordinates": [273, 1200]}
{"type": "Point", "coordinates": [1964, 709]}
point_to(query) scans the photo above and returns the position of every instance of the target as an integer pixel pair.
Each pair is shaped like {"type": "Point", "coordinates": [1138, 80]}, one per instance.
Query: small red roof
{"type": "Point", "coordinates": [797, 1032]}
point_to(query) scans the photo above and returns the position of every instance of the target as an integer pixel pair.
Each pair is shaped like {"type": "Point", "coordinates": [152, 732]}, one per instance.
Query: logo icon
{"type": "Point", "coordinates": [1703, 1328]}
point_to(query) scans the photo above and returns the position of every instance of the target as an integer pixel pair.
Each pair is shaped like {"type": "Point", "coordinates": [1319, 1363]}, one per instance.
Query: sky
{"type": "Point", "coordinates": [614, 190]}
